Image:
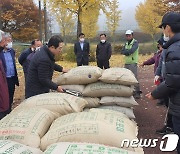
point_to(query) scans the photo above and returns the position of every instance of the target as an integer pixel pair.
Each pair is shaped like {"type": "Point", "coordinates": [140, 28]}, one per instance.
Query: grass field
{"type": "Point", "coordinates": [115, 61]}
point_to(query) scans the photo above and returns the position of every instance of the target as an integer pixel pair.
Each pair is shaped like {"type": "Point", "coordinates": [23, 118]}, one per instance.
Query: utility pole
{"type": "Point", "coordinates": [1, 26]}
{"type": "Point", "coordinates": [45, 22]}
{"type": "Point", "coordinates": [40, 22]}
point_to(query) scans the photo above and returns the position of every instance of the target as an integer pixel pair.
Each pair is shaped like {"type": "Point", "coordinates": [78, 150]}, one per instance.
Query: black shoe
{"type": "Point", "coordinates": [137, 94]}
{"type": "Point", "coordinates": [165, 130]}
{"type": "Point", "coordinates": [160, 103]}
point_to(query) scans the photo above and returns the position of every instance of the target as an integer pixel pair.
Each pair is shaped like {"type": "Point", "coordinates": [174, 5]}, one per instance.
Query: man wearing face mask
{"type": "Point", "coordinates": [8, 60]}
{"type": "Point", "coordinates": [171, 86]}
{"type": "Point", "coordinates": [38, 45]}
{"type": "Point", "coordinates": [4, 95]}
{"type": "Point", "coordinates": [131, 52]}
{"type": "Point", "coordinates": [35, 44]}
{"type": "Point", "coordinates": [41, 68]}
{"type": "Point", "coordinates": [103, 52]}
{"type": "Point", "coordinates": [81, 50]}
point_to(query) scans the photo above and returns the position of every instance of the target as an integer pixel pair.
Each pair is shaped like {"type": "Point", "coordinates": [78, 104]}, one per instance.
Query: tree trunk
{"type": "Point", "coordinates": [45, 22]}
{"type": "Point", "coordinates": [79, 24]}
{"type": "Point", "coordinates": [113, 41]}
{"type": "Point", "coordinates": [40, 22]}
{"type": "Point", "coordinates": [1, 26]}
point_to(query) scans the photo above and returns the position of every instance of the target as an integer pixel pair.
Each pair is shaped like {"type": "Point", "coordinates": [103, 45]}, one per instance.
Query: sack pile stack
{"type": "Point", "coordinates": [107, 89]}
{"type": "Point", "coordinates": [54, 123]}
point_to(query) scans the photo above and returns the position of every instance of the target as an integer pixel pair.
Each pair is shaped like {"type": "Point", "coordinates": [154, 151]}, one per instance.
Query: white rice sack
{"type": "Point", "coordinates": [26, 125]}
{"type": "Point", "coordinates": [126, 111]}
{"type": "Point", "coordinates": [119, 76]}
{"type": "Point", "coordinates": [78, 88]}
{"type": "Point", "coordinates": [92, 102]}
{"type": "Point", "coordinates": [80, 75]}
{"type": "Point", "coordinates": [61, 103]}
{"type": "Point", "coordinates": [11, 147]}
{"type": "Point", "coordinates": [85, 148]}
{"type": "Point", "coordinates": [100, 89]}
{"type": "Point", "coordinates": [96, 126]}
{"type": "Point", "coordinates": [121, 101]}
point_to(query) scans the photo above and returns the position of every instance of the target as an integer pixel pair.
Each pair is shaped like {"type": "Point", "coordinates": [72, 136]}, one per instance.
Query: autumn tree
{"type": "Point", "coordinates": [65, 19]}
{"type": "Point", "coordinates": [113, 16]}
{"type": "Point", "coordinates": [147, 18]}
{"type": "Point", "coordinates": [89, 20]}
{"type": "Point", "coordinates": [173, 5]}
{"type": "Point", "coordinates": [79, 7]}
{"type": "Point", "coordinates": [19, 17]}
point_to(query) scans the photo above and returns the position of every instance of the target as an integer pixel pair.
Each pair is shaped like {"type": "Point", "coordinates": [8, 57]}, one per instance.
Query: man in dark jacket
{"type": "Point", "coordinates": [8, 59]}
{"type": "Point", "coordinates": [171, 86]}
{"type": "Point", "coordinates": [42, 66]}
{"type": "Point", "coordinates": [81, 50]}
{"type": "Point", "coordinates": [35, 44]}
{"type": "Point", "coordinates": [103, 52]}
{"type": "Point", "coordinates": [4, 95]}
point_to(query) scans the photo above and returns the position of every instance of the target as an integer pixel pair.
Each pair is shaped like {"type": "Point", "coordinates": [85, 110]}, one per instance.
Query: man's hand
{"type": "Point", "coordinates": [156, 78]}
{"type": "Point", "coordinates": [150, 96]}
{"type": "Point", "coordinates": [60, 89]}
{"type": "Point", "coordinates": [141, 65]}
{"type": "Point", "coordinates": [65, 70]}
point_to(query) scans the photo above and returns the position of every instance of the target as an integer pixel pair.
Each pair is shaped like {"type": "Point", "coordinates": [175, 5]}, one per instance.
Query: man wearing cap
{"type": "Point", "coordinates": [131, 51]}
{"type": "Point", "coordinates": [171, 86]}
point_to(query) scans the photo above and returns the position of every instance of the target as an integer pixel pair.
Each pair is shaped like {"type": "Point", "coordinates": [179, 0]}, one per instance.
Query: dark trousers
{"type": "Point", "coordinates": [176, 126]}
{"type": "Point", "coordinates": [103, 64]}
{"type": "Point", "coordinates": [2, 115]}
{"type": "Point", "coordinates": [134, 69]}
{"type": "Point", "coordinates": [11, 88]}
{"type": "Point", "coordinates": [82, 62]}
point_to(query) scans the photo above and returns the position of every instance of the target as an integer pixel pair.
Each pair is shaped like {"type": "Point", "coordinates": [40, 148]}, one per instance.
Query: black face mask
{"type": "Point", "coordinates": [158, 47]}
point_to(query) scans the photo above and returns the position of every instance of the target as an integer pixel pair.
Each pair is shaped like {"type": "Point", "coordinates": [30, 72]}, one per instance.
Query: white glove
{"type": "Point", "coordinates": [156, 78]}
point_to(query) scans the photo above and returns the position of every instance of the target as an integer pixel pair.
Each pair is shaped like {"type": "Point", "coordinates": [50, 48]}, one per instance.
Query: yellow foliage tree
{"type": "Point", "coordinates": [78, 7]}
{"type": "Point", "coordinates": [89, 22]}
{"type": "Point", "coordinates": [113, 16]}
{"type": "Point", "coordinates": [65, 20]}
{"type": "Point", "coordinates": [149, 19]}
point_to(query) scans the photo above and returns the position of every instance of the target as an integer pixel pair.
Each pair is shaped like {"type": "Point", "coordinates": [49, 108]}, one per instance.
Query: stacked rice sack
{"type": "Point", "coordinates": [54, 122]}
{"type": "Point", "coordinates": [31, 120]}
{"type": "Point", "coordinates": [108, 89]}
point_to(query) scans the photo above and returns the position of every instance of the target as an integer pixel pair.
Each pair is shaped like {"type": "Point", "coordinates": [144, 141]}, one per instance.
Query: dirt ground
{"type": "Point", "coordinates": [149, 117]}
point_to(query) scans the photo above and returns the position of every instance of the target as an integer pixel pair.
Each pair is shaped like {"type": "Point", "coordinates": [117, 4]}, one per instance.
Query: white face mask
{"type": "Point", "coordinates": [9, 45]}
{"type": "Point", "coordinates": [103, 41]}
{"type": "Point", "coordinates": [81, 39]}
{"type": "Point", "coordinates": [37, 48]}
{"type": "Point", "coordinates": [166, 38]}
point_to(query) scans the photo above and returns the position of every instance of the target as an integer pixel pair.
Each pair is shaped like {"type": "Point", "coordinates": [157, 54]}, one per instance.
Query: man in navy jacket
{"type": "Point", "coordinates": [81, 50]}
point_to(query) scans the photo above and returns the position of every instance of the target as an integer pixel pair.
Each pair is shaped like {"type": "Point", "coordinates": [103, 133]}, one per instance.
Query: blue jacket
{"type": "Point", "coordinates": [14, 62]}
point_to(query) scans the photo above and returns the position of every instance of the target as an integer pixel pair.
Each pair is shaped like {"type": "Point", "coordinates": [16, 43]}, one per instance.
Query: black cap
{"type": "Point", "coordinates": [160, 42]}
{"type": "Point", "coordinates": [170, 18]}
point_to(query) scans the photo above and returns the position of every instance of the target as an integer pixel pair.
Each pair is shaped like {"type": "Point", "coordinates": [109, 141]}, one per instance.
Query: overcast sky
{"type": "Point", "coordinates": [127, 17]}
